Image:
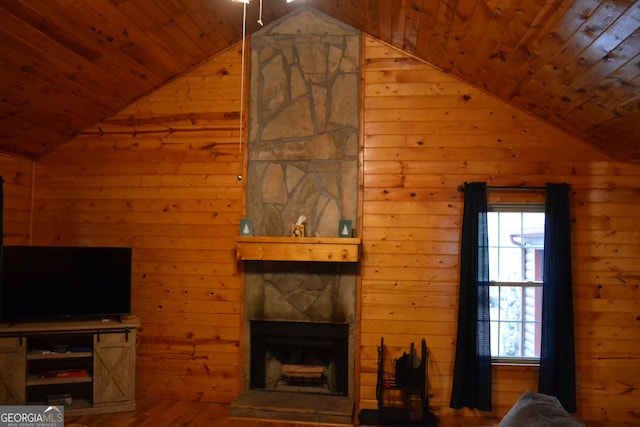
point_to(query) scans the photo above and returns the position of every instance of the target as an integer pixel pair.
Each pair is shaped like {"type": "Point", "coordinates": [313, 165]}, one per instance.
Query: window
{"type": "Point", "coordinates": [516, 248]}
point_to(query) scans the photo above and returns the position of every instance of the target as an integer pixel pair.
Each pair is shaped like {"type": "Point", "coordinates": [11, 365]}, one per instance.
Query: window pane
{"type": "Point", "coordinates": [531, 308]}
{"type": "Point", "coordinates": [494, 316]}
{"type": "Point", "coordinates": [510, 303]}
{"type": "Point", "coordinates": [516, 248]}
{"type": "Point", "coordinates": [509, 265]}
{"type": "Point", "coordinates": [493, 265]}
{"type": "Point", "coordinates": [494, 230]}
{"type": "Point", "coordinates": [531, 340]}
{"type": "Point", "coordinates": [510, 339]}
{"type": "Point", "coordinates": [533, 229]}
{"type": "Point", "coordinates": [494, 303]}
{"type": "Point", "coordinates": [495, 336]}
{"type": "Point", "coordinates": [510, 227]}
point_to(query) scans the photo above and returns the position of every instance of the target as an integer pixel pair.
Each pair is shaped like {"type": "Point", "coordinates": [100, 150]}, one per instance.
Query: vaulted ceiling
{"type": "Point", "coordinates": [65, 65]}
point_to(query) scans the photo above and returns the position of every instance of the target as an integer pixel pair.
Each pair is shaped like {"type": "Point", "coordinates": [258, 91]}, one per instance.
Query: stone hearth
{"type": "Point", "coordinates": [309, 408]}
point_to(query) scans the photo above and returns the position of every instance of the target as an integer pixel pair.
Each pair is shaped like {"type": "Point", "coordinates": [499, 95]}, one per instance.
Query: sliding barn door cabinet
{"type": "Point", "coordinates": [85, 366]}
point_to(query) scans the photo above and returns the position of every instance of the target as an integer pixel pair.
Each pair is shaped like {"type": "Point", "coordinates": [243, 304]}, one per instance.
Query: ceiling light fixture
{"type": "Point", "coordinates": [249, 1]}
{"type": "Point", "coordinates": [246, 2]}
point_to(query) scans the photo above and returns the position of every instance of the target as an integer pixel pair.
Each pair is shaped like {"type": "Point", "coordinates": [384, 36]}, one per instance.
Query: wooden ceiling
{"type": "Point", "coordinates": [67, 64]}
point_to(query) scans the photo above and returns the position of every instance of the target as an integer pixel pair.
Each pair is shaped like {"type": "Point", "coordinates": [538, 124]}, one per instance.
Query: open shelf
{"type": "Point", "coordinates": [78, 403]}
{"type": "Point", "coordinates": [52, 355]}
{"type": "Point", "coordinates": [317, 249]}
{"type": "Point", "coordinates": [38, 380]}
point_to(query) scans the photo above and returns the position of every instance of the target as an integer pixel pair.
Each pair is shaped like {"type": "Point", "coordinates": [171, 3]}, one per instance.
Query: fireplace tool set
{"type": "Point", "coordinates": [409, 381]}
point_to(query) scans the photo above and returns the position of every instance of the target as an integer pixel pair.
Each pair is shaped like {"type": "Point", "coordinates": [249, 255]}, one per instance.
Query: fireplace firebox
{"type": "Point", "coordinates": [309, 357]}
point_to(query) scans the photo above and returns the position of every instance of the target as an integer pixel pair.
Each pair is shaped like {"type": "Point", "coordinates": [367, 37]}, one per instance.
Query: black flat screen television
{"type": "Point", "coordinates": [51, 283]}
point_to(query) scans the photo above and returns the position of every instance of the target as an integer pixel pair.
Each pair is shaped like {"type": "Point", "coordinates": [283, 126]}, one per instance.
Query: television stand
{"type": "Point", "coordinates": [118, 319]}
{"type": "Point", "coordinates": [87, 366]}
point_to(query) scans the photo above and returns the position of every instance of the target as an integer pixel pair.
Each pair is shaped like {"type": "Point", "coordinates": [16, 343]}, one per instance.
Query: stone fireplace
{"type": "Point", "coordinates": [299, 338]}
{"type": "Point", "coordinates": [303, 144]}
{"type": "Point", "coordinates": [288, 302]}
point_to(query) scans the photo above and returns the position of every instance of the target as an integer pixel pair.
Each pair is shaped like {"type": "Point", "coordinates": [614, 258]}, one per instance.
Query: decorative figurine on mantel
{"type": "Point", "coordinates": [297, 229]}
{"type": "Point", "coordinates": [344, 228]}
{"type": "Point", "coordinates": [246, 227]}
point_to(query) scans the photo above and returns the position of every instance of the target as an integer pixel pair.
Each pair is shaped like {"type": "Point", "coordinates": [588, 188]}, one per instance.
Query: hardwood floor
{"type": "Point", "coordinates": [171, 413]}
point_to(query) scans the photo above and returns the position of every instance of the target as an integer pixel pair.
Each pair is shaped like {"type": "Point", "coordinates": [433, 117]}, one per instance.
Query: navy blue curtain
{"type": "Point", "coordinates": [557, 354]}
{"type": "Point", "coordinates": [1, 229]}
{"type": "Point", "coordinates": [472, 370]}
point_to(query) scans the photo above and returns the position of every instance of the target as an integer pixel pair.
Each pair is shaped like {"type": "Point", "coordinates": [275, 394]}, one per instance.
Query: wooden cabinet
{"type": "Point", "coordinates": [90, 363]}
{"type": "Point", "coordinates": [12, 370]}
{"type": "Point", "coordinates": [113, 369]}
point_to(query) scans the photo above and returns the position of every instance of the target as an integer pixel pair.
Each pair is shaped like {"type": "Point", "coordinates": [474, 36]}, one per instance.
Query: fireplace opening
{"type": "Point", "coordinates": [299, 356]}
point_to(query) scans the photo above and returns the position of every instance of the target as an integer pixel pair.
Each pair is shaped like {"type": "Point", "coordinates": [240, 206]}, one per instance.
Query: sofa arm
{"type": "Point", "coordinates": [538, 410]}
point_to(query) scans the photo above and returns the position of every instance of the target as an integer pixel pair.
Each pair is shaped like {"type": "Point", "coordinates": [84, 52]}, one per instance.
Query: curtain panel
{"type": "Point", "coordinates": [557, 375]}
{"type": "Point", "coordinates": [1, 229]}
{"type": "Point", "coordinates": [472, 370]}
{"type": "Point", "coordinates": [1, 222]}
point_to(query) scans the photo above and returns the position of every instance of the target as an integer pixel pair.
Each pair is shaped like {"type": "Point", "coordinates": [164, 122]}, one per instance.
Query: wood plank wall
{"type": "Point", "coordinates": [17, 176]}
{"type": "Point", "coordinates": [161, 176]}
{"type": "Point", "coordinates": [424, 134]}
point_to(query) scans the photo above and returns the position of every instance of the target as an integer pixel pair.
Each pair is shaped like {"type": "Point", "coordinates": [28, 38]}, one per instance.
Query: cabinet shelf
{"type": "Point", "coordinates": [37, 380]}
{"type": "Point", "coordinates": [316, 249]}
{"type": "Point", "coordinates": [78, 404]}
{"type": "Point", "coordinates": [52, 355]}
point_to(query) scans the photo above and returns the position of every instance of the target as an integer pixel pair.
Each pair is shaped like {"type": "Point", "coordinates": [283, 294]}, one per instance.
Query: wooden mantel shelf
{"type": "Point", "coordinates": [322, 249]}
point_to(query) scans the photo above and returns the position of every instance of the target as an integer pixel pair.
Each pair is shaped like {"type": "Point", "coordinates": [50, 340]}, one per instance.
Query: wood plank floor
{"type": "Point", "coordinates": [170, 413]}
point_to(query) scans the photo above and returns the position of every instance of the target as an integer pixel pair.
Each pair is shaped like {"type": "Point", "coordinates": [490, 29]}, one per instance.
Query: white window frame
{"type": "Point", "coordinates": [536, 285]}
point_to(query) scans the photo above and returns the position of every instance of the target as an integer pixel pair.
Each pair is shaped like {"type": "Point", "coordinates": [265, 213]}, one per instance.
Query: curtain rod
{"type": "Point", "coordinates": [461, 188]}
